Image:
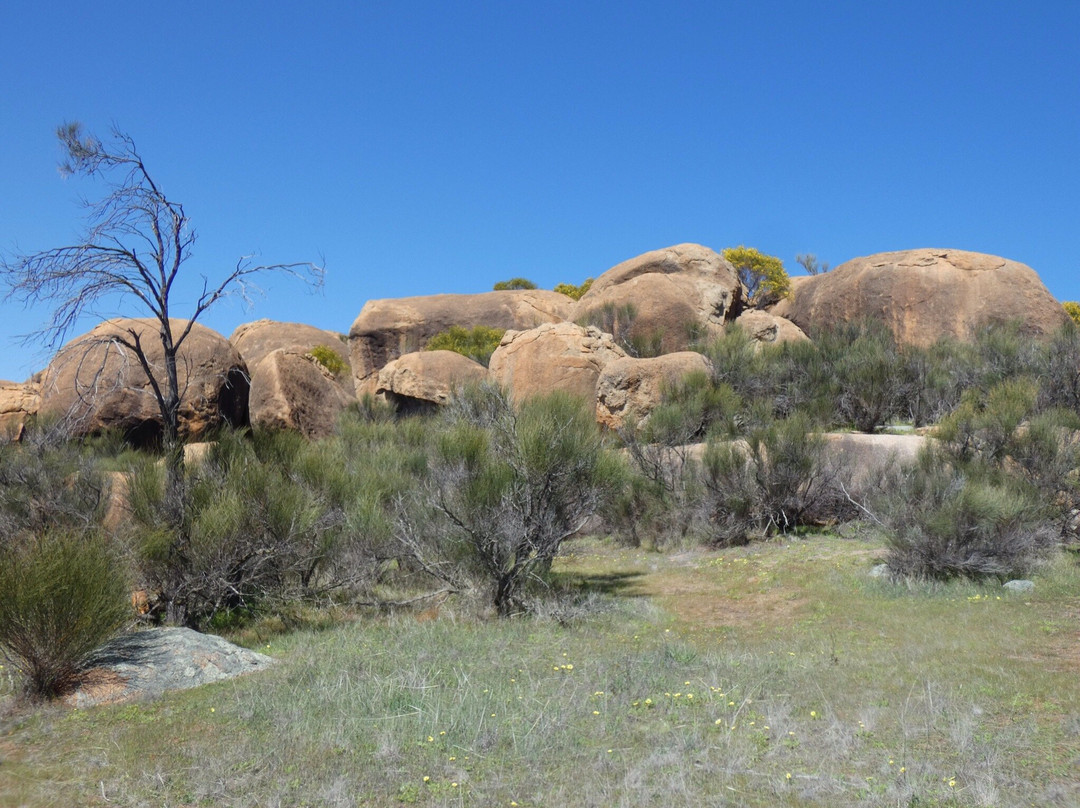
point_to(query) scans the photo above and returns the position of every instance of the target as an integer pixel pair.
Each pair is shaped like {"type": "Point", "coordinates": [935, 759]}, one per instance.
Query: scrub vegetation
{"type": "Point", "coordinates": [694, 618]}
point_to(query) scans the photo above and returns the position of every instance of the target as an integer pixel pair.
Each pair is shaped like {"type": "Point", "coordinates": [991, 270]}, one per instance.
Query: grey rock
{"type": "Point", "coordinates": [1019, 586]}
{"type": "Point", "coordinates": [145, 664]}
{"type": "Point", "coordinates": [881, 571]}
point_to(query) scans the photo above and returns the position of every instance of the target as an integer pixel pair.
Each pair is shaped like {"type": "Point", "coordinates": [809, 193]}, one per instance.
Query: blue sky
{"type": "Point", "coordinates": [425, 147]}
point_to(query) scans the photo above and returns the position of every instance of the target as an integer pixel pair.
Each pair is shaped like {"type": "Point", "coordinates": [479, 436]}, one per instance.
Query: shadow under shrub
{"type": "Point", "coordinates": [64, 594]}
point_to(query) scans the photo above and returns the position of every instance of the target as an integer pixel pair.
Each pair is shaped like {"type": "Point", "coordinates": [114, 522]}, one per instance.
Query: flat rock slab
{"type": "Point", "coordinates": [145, 664]}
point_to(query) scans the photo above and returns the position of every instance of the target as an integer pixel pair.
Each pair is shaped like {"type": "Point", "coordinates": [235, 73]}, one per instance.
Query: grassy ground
{"type": "Point", "coordinates": [775, 675]}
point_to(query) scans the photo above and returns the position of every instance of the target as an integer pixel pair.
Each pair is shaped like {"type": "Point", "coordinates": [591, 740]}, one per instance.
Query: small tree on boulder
{"type": "Point", "coordinates": [763, 276]}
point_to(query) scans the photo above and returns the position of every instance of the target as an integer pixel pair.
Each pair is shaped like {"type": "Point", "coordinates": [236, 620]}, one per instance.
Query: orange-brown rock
{"type": "Point", "coordinates": [257, 339]}
{"type": "Point", "coordinates": [386, 329]}
{"type": "Point", "coordinates": [768, 328]}
{"type": "Point", "coordinates": [924, 295]}
{"type": "Point", "coordinates": [423, 380]}
{"type": "Point", "coordinates": [677, 294]}
{"type": "Point", "coordinates": [95, 383]}
{"type": "Point", "coordinates": [553, 356]}
{"type": "Point", "coordinates": [18, 405]}
{"type": "Point", "coordinates": [290, 390]}
{"type": "Point", "coordinates": [629, 388]}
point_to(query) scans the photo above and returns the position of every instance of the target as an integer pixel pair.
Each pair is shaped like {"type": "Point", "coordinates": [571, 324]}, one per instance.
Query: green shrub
{"type": "Point", "coordinates": [478, 343]}
{"type": "Point", "coordinates": [64, 594]}
{"type": "Point", "coordinates": [619, 321]}
{"type": "Point", "coordinates": [514, 283]}
{"type": "Point", "coordinates": [507, 486]}
{"type": "Point", "coordinates": [329, 359]}
{"type": "Point", "coordinates": [574, 292]}
{"type": "Point", "coordinates": [946, 523]}
{"type": "Point", "coordinates": [1072, 308]}
{"type": "Point", "coordinates": [867, 373]}
{"type": "Point", "coordinates": [772, 482]}
{"type": "Point", "coordinates": [763, 276]}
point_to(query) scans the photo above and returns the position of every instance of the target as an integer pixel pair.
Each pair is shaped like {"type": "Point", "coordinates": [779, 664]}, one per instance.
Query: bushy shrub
{"type": "Point", "coordinates": [867, 373]}
{"type": "Point", "coordinates": [64, 593]}
{"type": "Point", "coordinates": [329, 359]}
{"type": "Point", "coordinates": [763, 276]}
{"type": "Point", "coordinates": [46, 484]}
{"type": "Point", "coordinates": [507, 485]}
{"type": "Point", "coordinates": [946, 523]}
{"type": "Point", "coordinates": [514, 283]}
{"type": "Point", "coordinates": [572, 291]}
{"type": "Point", "coordinates": [619, 320]}
{"type": "Point", "coordinates": [1072, 308]}
{"type": "Point", "coordinates": [478, 343]}
{"type": "Point", "coordinates": [772, 482]}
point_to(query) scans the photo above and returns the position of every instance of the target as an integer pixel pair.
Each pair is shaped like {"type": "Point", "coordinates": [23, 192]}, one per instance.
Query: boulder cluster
{"type": "Point", "coordinates": [298, 377]}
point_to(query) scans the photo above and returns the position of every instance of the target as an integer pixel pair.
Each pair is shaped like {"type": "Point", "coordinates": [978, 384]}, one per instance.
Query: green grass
{"type": "Point", "coordinates": [700, 678]}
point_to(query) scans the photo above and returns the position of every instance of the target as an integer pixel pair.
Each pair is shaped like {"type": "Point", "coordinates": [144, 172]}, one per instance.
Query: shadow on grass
{"type": "Point", "coordinates": [620, 584]}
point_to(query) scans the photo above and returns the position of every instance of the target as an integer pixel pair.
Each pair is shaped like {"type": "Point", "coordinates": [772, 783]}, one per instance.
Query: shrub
{"type": "Point", "coordinates": [507, 486]}
{"type": "Point", "coordinates": [762, 275]}
{"type": "Point", "coordinates": [867, 372]}
{"type": "Point", "coordinates": [810, 263]}
{"type": "Point", "coordinates": [64, 595]}
{"type": "Point", "coordinates": [618, 320]}
{"type": "Point", "coordinates": [514, 283]}
{"type": "Point", "coordinates": [1072, 308]}
{"type": "Point", "coordinates": [944, 523]}
{"type": "Point", "coordinates": [772, 482]}
{"type": "Point", "coordinates": [574, 292]}
{"type": "Point", "coordinates": [329, 359]}
{"type": "Point", "coordinates": [478, 343]}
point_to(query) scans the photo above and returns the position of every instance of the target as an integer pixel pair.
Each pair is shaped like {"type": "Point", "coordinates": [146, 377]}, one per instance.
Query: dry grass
{"type": "Point", "coordinates": [773, 675]}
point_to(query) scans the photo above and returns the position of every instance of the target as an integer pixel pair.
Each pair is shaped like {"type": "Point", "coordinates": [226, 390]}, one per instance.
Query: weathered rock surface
{"type": "Point", "coordinates": [18, 405]}
{"type": "Point", "coordinates": [290, 390]}
{"type": "Point", "coordinates": [553, 356]}
{"type": "Point", "coordinates": [630, 388]}
{"type": "Point", "coordinates": [423, 380]}
{"type": "Point", "coordinates": [768, 328]}
{"type": "Point", "coordinates": [924, 295]}
{"type": "Point", "coordinates": [257, 339]}
{"type": "Point", "coordinates": [386, 329]}
{"type": "Point", "coordinates": [95, 383]}
{"type": "Point", "coordinates": [676, 293]}
{"type": "Point", "coordinates": [146, 664]}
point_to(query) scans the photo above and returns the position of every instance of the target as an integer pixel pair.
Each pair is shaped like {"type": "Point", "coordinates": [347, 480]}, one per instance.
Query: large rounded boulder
{"type": "Point", "coordinates": [386, 329]}
{"type": "Point", "coordinates": [630, 389]}
{"type": "Point", "coordinates": [665, 299]}
{"type": "Point", "coordinates": [423, 380]}
{"type": "Point", "coordinates": [290, 390]}
{"type": "Point", "coordinates": [257, 339]}
{"type": "Point", "coordinates": [553, 356]}
{"type": "Point", "coordinates": [96, 383]}
{"type": "Point", "coordinates": [924, 295]}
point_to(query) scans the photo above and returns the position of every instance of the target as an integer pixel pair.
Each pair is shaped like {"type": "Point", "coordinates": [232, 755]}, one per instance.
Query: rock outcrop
{"type": "Point", "coordinates": [629, 388]}
{"type": "Point", "coordinates": [95, 383]}
{"type": "Point", "coordinates": [768, 328]}
{"type": "Point", "coordinates": [290, 390]}
{"type": "Point", "coordinates": [18, 405]}
{"type": "Point", "coordinates": [424, 380]}
{"type": "Point", "coordinates": [386, 329]}
{"type": "Point", "coordinates": [674, 295]}
{"type": "Point", "coordinates": [146, 664]}
{"type": "Point", "coordinates": [553, 356]}
{"type": "Point", "coordinates": [257, 339]}
{"type": "Point", "coordinates": [924, 295]}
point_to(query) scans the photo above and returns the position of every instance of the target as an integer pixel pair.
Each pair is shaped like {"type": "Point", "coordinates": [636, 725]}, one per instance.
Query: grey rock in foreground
{"type": "Point", "coordinates": [1019, 585]}
{"type": "Point", "coordinates": [145, 664]}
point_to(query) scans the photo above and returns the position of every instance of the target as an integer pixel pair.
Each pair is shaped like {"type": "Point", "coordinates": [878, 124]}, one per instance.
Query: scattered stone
{"type": "Point", "coordinates": [553, 356]}
{"type": "Point", "coordinates": [924, 295]}
{"type": "Point", "coordinates": [424, 380]}
{"type": "Point", "coordinates": [95, 383]}
{"type": "Point", "coordinates": [630, 388]}
{"type": "Point", "coordinates": [386, 329]}
{"type": "Point", "coordinates": [18, 405]}
{"type": "Point", "coordinates": [290, 390]}
{"type": "Point", "coordinates": [880, 571]}
{"type": "Point", "coordinates": [1019, 585]}
{"type": "Point", "coordinates": [146, 664]}
{"type": "Point", "coordinates": [678, 294]}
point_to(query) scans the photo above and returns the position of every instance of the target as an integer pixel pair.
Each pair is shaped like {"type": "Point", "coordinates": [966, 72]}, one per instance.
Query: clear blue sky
{"type": "Point", "coordinates": [439, 147]}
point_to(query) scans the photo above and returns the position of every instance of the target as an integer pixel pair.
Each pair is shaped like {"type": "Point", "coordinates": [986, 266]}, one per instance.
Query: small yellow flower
{"type": "Point", "coordinates": [903, 769]}
{"type": "Point", "coordinates": [443, 732]}
{"type": "Point", "coordinates": [453, 785]}
{"type": "Point", "coordinates": [813, 713]}
{"type": "Point", "coordinates": [426, 778]}
{"type": "Point", "coordinates": [430, 739]}
{"type": "Point", "coordinates": [596, 712]}
{"type": "Point", "coordinates": [952, 784]}
{"type": "Point", "coordinates": [788, 775]}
